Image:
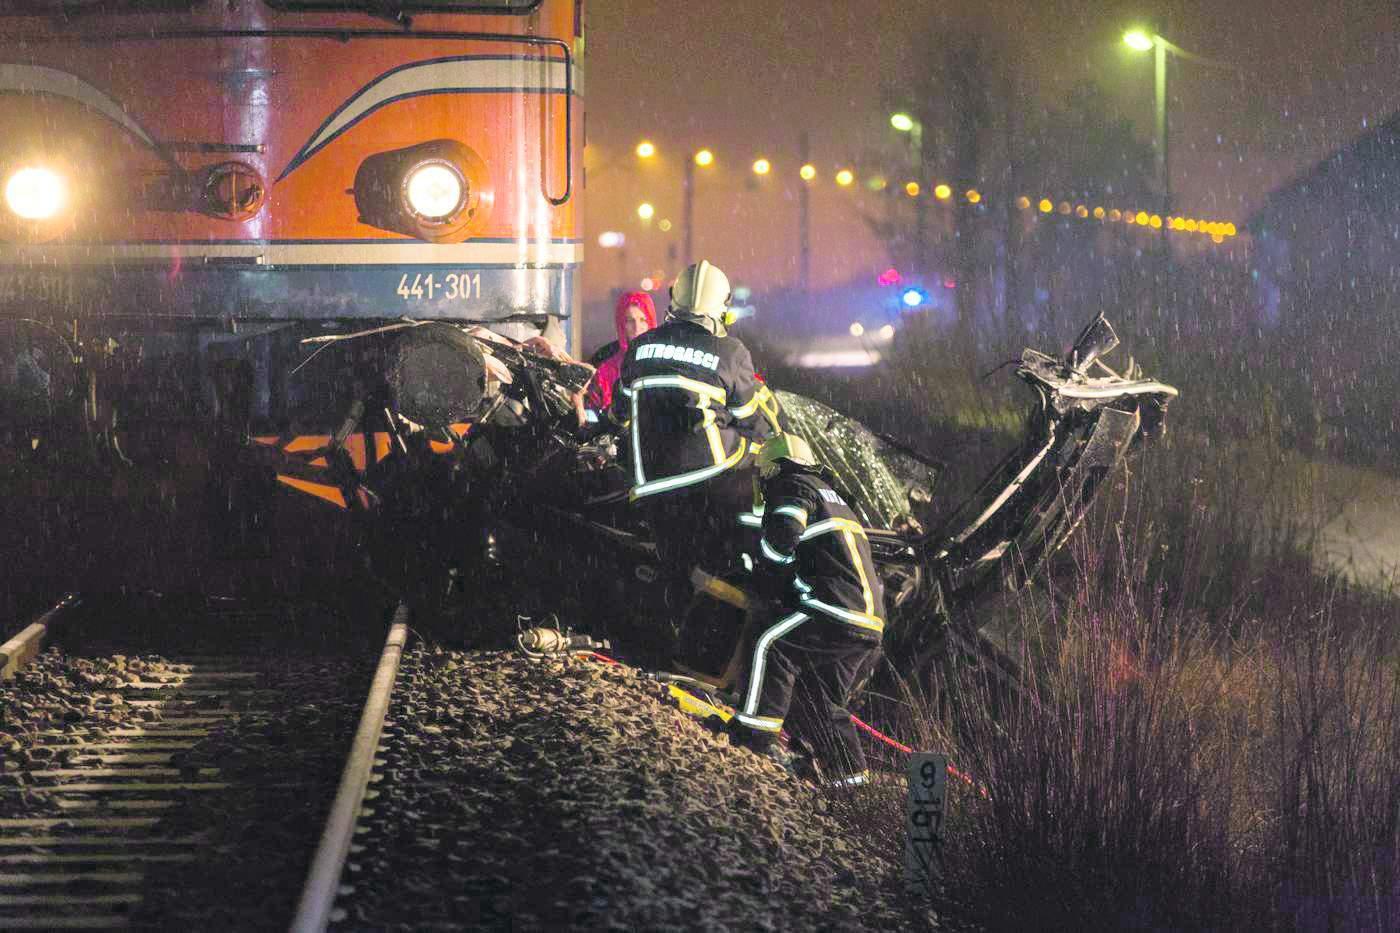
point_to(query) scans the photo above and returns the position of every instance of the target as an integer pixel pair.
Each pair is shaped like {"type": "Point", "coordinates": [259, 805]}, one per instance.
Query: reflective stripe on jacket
{"type": "Point", "coordinates": [814, 552]}
{"type": "Point", "coordinates": [690, 404]}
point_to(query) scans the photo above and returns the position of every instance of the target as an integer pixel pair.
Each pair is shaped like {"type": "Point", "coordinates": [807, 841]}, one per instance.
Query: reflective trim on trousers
{"type": "Point", "coordinates": [853, 780]}
{"type": "Point", "coordinates": [760, 660]}
{"type": "Point", "coordinates": [760, 723]}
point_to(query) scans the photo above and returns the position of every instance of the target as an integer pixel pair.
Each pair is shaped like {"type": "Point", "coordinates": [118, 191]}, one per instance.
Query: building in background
{"type": "Point", "coordinates": [1334, 228]}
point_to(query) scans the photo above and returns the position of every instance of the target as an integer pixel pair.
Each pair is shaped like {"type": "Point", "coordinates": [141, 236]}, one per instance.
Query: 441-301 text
{"type": "Point", "coordinates": [463, 286]}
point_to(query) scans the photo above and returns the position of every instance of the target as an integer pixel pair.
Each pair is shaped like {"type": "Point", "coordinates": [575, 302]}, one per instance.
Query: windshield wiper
{"type": "Point", "coordinates": [386, 9]}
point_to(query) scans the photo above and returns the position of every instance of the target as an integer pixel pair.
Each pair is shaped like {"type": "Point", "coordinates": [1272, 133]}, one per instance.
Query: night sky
{"type": "Point", "coordinates": [746, 78]}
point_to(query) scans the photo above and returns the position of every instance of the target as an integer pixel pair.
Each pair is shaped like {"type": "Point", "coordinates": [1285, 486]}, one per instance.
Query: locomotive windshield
{"type": "Point", "coordinates": [72, 7]}
{"type": "Point", "coordinates": [410, 6]}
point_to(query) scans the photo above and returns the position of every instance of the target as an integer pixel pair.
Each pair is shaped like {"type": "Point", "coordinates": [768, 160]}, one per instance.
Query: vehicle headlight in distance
{"type": "Point", "coordinates": [35, 193]}
{"type": "Point", "coordinates": [435, 191]}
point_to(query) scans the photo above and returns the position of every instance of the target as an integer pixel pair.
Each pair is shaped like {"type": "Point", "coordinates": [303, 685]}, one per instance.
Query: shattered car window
{"type": "Point", "coordinates": [877, 478]}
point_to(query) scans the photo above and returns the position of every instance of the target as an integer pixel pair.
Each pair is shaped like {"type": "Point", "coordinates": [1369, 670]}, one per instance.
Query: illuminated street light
{"type": "Point", "coordinates": [1023, 202]}
{"type": "Point", "coordinates": [1138, 40]}
{"type": "Point", "coordinates": [902, 121]}
{"type": "Point", "coordinates": [702, 158]}
{"type": "Point", "coordinates": [973, 196]}
{"type": "Point", "coordinates": [762, 167]}
{"type": "Point", "coordinates": [912, 189]}
{"type": "Point", "coordinates": [645, 149]}
{"type": "Point", "coordinates": [645, 210]}
{"type": "Point", "coordinates": [942, 192]}
{"type": "Point", "coordinates": [808, 172]}
{"type": "Point", "coordinates": [1045, 206]}
{"type": "Point", "coordinates": [845, 177]}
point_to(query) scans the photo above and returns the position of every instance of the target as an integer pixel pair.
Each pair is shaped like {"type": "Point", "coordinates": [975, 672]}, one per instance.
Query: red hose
{"type": "Point", "coordinates": [881, 736]}
{"type": "Point", "coordinates": [871, 730]}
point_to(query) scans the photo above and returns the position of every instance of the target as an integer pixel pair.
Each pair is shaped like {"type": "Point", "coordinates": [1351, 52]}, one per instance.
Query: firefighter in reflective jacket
{"type": "Point", "coordinates": [818, 619]}
{"type": "Point", "coordinates": [690, 406]}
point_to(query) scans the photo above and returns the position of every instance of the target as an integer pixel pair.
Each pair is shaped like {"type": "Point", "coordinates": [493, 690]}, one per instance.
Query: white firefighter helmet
{"type": "Point", "coordinates": [702, 290]}
{"type": "Point", "coordinates": [789, 447]}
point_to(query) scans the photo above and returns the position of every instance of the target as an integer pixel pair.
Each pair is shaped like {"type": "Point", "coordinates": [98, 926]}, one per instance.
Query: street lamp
{"type": "Point", "coordinates": [646, 149]}
{"type": "Point", "coordinates": [1142, 40]}
{"type": "Point", "coordinates": [1138, 40]}
{"type": "Point", "coordinates": [905, 123]}
{"type": "Point", "coordinates": [703, 158]}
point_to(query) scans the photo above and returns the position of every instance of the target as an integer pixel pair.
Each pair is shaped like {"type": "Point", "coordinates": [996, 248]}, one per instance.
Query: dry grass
{"type": "Point", "coordinates": [1209, 734]}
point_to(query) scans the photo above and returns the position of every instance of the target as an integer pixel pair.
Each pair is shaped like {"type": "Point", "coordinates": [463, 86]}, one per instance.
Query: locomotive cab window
{"type": "Point", "coordinates": [96, 7]}
{"type": "Point", "coordinates": [409, 6]}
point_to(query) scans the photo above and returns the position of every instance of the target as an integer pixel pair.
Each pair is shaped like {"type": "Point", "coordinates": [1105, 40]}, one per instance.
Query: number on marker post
{"type": "Point", "coordinates": [923, 827]}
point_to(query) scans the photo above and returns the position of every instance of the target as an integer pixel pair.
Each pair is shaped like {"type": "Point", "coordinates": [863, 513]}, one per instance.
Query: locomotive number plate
{"type": "Point", "coordinates": [452, 286]}
{"type": "Point", "coordinates": [40, 287]}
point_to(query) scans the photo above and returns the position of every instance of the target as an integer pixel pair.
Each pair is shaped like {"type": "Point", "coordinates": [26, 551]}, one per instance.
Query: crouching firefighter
{"type": "Point", "coordinates": [816, 618]}
{"type": "Point", "coordinates": [690, 404]}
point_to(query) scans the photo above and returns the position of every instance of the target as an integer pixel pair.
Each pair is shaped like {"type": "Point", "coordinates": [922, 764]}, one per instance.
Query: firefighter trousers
{"type": "Point", "coordinates": [799, 672]}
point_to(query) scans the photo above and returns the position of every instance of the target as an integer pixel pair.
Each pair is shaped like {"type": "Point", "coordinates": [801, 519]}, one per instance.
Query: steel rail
{"type": "Point", "coordinates": [25, 646]}
{"type": "Point", "coordinates": [319, 894]}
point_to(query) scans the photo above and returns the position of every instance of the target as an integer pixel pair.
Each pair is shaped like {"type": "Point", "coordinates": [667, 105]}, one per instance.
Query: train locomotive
{"type": "Point", "coordinates": [192, 192]}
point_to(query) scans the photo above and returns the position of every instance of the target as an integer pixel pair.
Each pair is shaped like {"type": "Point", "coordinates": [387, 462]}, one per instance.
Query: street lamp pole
{"type": "Point", "coordinates": [688, 212]}
{"type": "Point", "coordinates": [804, 239]}
{"type": "Point", "coordinates": [1159, 48]}
{"type": "Point", "coordinates": [905, 123]}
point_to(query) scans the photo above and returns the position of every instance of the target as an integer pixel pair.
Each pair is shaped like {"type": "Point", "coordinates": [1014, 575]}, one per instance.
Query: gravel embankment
{"type": "Point", "coordinates": [281, 753]}
{"type": "Point", "coordinates": [531, 795]}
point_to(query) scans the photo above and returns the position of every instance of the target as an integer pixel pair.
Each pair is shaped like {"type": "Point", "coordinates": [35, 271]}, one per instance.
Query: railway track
{"type": "Point", "coordinates": [144, 791]}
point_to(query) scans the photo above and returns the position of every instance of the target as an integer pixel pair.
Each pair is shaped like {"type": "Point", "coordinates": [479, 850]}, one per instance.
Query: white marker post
{"type": "Point", "coordinates": [923, 825]}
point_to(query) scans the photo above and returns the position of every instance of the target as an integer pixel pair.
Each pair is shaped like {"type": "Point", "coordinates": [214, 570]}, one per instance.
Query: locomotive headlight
{"type": "Point", "coordinates": [437, 191]}
{"type": "Point", "coordinates": [434, 191]}
{"type": "Point", "coordinates": [35, 193]}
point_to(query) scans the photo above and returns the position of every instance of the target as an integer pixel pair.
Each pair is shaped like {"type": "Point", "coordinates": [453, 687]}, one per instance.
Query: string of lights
{"type": "Point", "coordinates": [941, 192]}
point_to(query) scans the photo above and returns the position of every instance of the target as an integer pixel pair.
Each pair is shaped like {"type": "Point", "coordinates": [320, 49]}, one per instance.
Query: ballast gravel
{"type": "Point", "coordinates": [568, 794]}
{"type": "Point", "coordinates": [280, 758]}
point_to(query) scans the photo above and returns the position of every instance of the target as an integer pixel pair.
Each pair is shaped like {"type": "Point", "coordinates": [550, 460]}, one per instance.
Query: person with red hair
{"type": "Point", "coordinates": [634, 316]}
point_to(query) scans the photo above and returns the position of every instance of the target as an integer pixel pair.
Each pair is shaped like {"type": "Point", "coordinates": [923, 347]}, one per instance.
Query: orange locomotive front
{"type": "Point", "coordinates": [193, 189]}
{"type": "Point", "coordinates": [189, 189]}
